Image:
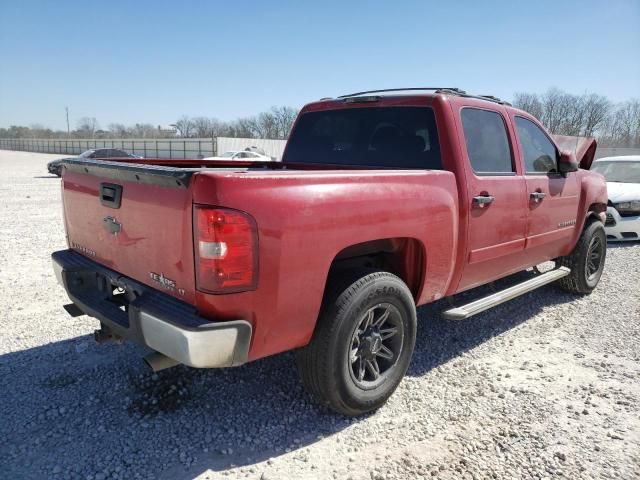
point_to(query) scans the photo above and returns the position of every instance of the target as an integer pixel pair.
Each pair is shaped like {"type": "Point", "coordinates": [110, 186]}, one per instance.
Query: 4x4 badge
{"type": "Point", "coordinates": [165, 282]}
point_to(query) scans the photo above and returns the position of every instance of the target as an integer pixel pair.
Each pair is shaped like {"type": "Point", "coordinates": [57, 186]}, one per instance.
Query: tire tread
{"type": "Point", "coordinates": [575, 282]}
{"type": "Point", "coordinates": [312, 360]}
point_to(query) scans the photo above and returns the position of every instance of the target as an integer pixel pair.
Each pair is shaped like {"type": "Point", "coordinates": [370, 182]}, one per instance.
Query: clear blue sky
{"type": "Point", "coordinates": [153, 61]}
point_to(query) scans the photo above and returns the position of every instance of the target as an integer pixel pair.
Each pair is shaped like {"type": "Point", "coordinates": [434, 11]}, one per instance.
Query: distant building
{"type": "Point", "coordinates": [167, 129]}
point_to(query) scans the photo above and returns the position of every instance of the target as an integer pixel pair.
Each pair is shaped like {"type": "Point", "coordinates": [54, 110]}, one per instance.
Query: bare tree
{"type": "Point", "coordinates": [185, 126]}
{"type": "Point", "coordinates": [572, 108]}
{"type": "Point", "coordinates": [265, 125]}
{"type": "Point", "coordinates": [623, 126]}
{"type": "Point", "coordinates": [596, 109]}
{"type": "Point", "coordinates": [284, 118]}
{"type": "Point", "coordinates": [37, 130]}
{"type": "Point", "coordinates": [529, 102]}
{"type": "Point", "coordinates": [143, 130]}
{"type": "Point", "coordinates": [551, 109]}
{"type": "Point", "coordinates": [218, 128]}
{"type": "Point", "coordinates": [567, 114]}
{"type": "Point", "coordinates": [87, 127]}
{"type": "Point", "coordinates": [118, 130]}
{"type": "Point", "coordinates": [244, 127]}
{"type": "Point", "coordinates": [202, 127]}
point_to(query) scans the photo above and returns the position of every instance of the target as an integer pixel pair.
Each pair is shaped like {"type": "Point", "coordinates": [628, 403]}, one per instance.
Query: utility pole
{"type": "Point", "coordinates": [67, 109]}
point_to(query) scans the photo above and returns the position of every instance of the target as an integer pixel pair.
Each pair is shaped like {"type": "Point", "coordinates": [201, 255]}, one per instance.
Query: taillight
{"type": "Point", "coordinates": [226, 250]}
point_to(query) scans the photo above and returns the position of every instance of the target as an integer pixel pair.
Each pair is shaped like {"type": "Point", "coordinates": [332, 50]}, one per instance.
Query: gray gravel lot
{"type": "Point", "coordinates": [546, 386]}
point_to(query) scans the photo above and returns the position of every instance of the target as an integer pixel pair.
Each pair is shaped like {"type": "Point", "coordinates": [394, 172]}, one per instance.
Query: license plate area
{"type": "Point", "coordinates": [114, 297]}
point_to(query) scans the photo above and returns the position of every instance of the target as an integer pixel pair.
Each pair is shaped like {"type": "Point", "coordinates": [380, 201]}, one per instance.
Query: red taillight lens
{"type": "Point", "coordinates": [226, 250]}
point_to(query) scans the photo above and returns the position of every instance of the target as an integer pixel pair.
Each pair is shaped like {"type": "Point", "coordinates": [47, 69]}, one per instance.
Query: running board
{"type": "Point", "coordinates": [485, 303]}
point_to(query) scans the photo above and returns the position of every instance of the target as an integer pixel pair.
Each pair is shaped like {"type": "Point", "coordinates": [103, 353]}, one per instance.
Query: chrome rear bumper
{"type": "Point", "coordinates": [150, 317]}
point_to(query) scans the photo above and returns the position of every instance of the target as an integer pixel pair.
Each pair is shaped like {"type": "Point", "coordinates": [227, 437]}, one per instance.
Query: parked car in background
{"type": "Point", "coordinates": [623, 185]}
{"type": "Point", "coordinates": [55, 166]}
{"type": "Point", "coordinates": [241, 155]}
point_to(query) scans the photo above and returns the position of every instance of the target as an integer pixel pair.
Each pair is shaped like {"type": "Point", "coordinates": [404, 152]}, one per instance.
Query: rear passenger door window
{"type": "Point", "coordinates": [540, 155]}
{"type": "Point", "coordinates": [487, 142]}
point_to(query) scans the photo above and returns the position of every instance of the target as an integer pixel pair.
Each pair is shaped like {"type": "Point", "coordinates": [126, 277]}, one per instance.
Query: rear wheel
{"type": "Point", "coordinates": [362, 345]}
{"type": "Point", "coordinates": [586, 261]}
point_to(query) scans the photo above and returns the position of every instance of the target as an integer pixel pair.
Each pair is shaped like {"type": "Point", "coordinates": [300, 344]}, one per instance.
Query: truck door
{"type": "Point", "coordinates": [552, 198]}
{"type": "Point", "coordinates": [496, 203]}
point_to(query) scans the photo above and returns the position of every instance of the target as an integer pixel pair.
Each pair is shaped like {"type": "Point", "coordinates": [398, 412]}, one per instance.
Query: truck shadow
{"type": "Point", "coordinates": [439, 341]}
{"type": "Point", "coordinates": [80, 407]}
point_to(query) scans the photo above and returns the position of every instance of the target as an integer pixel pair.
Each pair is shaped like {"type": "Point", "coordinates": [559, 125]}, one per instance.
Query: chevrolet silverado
{"type": "Point", "coordinates": [383, 201]}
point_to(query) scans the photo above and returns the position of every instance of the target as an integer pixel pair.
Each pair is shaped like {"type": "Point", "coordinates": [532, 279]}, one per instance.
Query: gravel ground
{"type": "Point", "coordinates": [545, 386]}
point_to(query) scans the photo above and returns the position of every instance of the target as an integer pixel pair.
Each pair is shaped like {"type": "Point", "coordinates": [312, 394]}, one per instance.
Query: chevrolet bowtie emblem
{"type": "Point", "coordinates": [111, 225]}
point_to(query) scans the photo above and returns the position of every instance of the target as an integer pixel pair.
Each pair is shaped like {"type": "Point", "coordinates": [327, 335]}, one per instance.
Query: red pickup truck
{"type": "Point", "coordinates": [383, 201]}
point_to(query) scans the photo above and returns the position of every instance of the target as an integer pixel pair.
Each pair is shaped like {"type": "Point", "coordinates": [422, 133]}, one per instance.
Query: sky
{"type": "Point", "coordinates": [154, 61]}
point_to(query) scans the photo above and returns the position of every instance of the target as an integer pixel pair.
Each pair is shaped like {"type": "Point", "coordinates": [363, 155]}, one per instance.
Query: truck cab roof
{"type": "Point", "coordinates": [371, 95]}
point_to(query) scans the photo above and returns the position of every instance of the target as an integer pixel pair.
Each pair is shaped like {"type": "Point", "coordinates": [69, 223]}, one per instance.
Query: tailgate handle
{"type": "Point", "coordinates": [110, 195]}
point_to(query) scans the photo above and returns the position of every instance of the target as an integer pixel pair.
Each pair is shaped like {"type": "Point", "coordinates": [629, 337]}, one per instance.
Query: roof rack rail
{"type": "Point", "coordinates": [448, 89]}
{"type": "Point", "coordinates": [493, 99]}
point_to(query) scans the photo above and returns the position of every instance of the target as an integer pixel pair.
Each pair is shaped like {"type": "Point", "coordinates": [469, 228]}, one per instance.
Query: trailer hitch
{"type": "Point", "coordinates": [105, 335]}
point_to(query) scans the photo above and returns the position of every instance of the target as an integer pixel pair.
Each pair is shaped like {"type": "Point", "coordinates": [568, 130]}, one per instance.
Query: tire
{"type": "Point", "coordinates": [586, 261]}
{"type": "Point", "coordinates": [367, 323]}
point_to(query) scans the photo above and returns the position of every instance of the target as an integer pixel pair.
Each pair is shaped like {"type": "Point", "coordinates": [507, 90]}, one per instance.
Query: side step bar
{"type": "Point", "coordinates": [485, 303]}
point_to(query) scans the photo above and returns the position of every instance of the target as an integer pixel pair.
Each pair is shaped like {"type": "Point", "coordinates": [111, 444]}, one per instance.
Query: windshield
{"type": "Point", "coordinates": [396, 137]}
{"type": "Point", "coordinates": [623, 172]}
{"type": "Point", "coordinates": [87, 153]}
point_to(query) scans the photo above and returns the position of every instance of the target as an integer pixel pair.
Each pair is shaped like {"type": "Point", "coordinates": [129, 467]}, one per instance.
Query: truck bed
{"type": "Point", "coordinates": [306, 217]}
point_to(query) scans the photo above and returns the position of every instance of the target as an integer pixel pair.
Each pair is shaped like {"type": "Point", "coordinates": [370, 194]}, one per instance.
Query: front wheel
{"type": "Point", "coordinates": [586, 261]}
{"type": "Point", "coordinates": [362, 345]}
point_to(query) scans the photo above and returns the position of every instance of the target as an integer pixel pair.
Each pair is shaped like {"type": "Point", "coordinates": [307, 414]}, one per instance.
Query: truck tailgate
{"type": "Point", "coordinates": [134, 219]}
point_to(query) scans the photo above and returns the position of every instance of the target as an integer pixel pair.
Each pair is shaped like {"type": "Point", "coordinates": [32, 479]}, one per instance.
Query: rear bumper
{"type": "Point", "coordinates": [150, 317]}
{"type": "Point", "coordinates": [621, 228]}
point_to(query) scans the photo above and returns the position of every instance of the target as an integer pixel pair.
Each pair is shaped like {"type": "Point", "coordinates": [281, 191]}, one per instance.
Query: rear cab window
{"type": "Point", "coordinates": [380, 137]}
{"type": "Point", "coordinates": [487, 142]}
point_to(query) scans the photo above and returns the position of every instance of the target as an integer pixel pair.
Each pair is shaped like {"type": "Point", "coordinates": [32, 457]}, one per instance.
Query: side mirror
{"type": "Point", "coordinates": [567, 162]}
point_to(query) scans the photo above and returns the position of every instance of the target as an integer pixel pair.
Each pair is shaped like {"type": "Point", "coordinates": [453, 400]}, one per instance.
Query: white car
{"type": "Point", "coordinates": [623, 186]}
{"type": "Point", "coordinates": [241, 155]}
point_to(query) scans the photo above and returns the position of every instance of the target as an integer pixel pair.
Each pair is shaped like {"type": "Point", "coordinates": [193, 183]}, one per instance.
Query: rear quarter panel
{"type": "Point", "coordinates": [306, 218]}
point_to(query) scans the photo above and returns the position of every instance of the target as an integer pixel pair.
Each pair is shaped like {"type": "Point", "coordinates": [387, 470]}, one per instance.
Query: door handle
{"type": "Point", "coordinates": [537, 196]}
{"type": "Point", "coordinates": [483, 199]}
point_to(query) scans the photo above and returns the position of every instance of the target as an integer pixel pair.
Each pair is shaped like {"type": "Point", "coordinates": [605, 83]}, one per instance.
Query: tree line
{"type": "Point", "coordinates": [274, 123]}
{"type": "Point", "coordinates": [591, 115]}
{"type": "Point", "coordinates": [587, 115]}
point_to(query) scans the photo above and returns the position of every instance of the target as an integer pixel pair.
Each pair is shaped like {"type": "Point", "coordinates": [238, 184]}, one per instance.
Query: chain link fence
{"type": "Point", "coordinates": [171, 148]}
{"type": "Point", "coordinates": [180, 148]}
{"type": "Point", "coordinates": [156, 148]}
